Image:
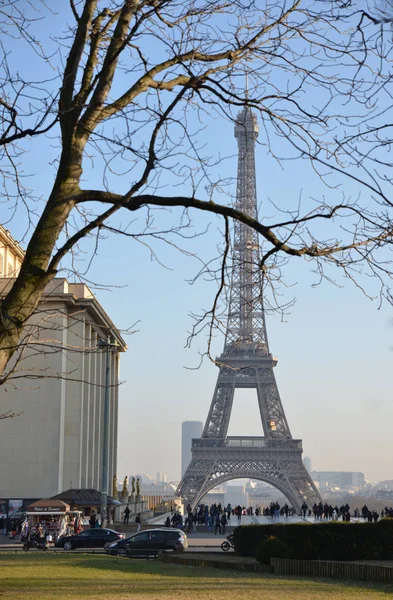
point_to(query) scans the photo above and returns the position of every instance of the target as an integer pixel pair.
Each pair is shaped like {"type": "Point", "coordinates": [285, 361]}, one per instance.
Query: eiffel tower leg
{"type": "Point", "coordinates": [304, 487]}
{"type": "Point", "coordinates": [274, 422]}
{"type": "Point", "coordinates": [195, 480]}
{"type": "Point", "coordinates": [217, 422]}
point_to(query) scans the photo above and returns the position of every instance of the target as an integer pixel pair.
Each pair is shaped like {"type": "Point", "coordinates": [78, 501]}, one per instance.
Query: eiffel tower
{"type": "Point", "coordinates": [246, 362]}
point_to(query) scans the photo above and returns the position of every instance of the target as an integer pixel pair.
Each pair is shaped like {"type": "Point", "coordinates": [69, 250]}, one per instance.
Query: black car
{"type": "Point", "coordinates": [90, 538]}
{"type": "Point", "coordinates": [150, 541]}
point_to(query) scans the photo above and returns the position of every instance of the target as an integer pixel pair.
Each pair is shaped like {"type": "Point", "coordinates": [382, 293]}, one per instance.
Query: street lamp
{"type": "Point", "coordinates": [107, 345]}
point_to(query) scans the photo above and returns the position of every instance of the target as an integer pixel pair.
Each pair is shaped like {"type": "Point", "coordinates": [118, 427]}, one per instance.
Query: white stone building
{"type": "Point", "coordinates": [58, 388]}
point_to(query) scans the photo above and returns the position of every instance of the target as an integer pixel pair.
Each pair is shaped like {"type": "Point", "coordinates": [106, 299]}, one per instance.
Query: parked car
{"type": "Point", "coordinates": [149, 541]}
{"type": "Point", "coordinates": [89, 538]}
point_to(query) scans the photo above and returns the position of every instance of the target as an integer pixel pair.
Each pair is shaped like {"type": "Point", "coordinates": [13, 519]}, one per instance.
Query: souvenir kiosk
{"type": "Point", "coordinates": [54, 516]}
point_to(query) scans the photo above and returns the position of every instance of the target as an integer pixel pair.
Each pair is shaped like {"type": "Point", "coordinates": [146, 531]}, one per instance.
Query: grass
{"type": "Point", "coordinates": [39, 576]}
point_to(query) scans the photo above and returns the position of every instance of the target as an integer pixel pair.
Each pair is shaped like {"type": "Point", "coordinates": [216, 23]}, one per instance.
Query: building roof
{"type": "Point", "coordinates": [8, 241]}
{"type": "Point", "coordinates": [78, 298]}
{"type": "Point", "coordinates": [84, 497]}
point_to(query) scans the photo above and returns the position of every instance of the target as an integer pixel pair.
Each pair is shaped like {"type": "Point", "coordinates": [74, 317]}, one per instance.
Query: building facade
{"type": "Point", "coordinates": [189, 430]}
{"type": "Point", "coordinates": [57, 391]}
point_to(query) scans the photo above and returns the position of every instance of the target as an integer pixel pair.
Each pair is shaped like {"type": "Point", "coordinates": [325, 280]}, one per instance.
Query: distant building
{"type": "Point", "coordinates": [385, 485]}
{"type": "Point", "coordinates": [214, 496]}
{"type": "Point", "coordinates": [154, 494]}
{"type": "Point", "coordinates": [56, 441]}
{"type": "Point", "coordinates": [161, 477]}
{"type": "Point", "coordinates": [237, 495]}
{"type": "Point", "coordinates": [338, 479]}
{"type": "Point", "coordinates": [307, 463]}
{"type": "Point", "coordinates": [189, 430]}
{"type": "Point", "coordinates": [228, 494]}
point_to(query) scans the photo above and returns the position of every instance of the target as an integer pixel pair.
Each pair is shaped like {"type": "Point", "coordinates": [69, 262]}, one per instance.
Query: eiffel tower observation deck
{"type": "Point", "coordinates": [246, 362]}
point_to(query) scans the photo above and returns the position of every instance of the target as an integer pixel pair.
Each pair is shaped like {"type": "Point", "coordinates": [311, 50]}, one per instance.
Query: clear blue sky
{"type": "Point", "coordinates": [334, 348]}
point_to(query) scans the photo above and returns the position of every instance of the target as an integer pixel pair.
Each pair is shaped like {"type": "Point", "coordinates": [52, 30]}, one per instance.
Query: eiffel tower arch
{"type": "Point", "coordinates": [246, 362]}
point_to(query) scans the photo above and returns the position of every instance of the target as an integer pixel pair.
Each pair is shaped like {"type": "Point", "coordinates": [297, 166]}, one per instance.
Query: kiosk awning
{"type": "Point", "coordinates": [48, 506]}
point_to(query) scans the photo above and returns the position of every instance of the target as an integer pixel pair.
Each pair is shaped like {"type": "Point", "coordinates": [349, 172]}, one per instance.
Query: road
{"type": "Point", "coordinates": [199, 542]}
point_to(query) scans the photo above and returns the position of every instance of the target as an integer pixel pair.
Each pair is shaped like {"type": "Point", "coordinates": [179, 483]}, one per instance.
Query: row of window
{"type": "Point", "coordinates": [9, 269]}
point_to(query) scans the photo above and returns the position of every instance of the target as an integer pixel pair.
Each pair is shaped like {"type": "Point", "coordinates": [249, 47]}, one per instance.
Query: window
{"type": "Point", "coordinates": [160, 536]}
{"type": "Point", "coordinates": [97, 532]}
{"type": "Point", "coordinates": [1, 264]}
{"type": "Point", "coordinates": [143, 537]}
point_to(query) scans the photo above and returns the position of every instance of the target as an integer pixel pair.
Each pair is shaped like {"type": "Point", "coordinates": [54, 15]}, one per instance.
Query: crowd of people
{"type": "Point", "coordinates": [334, 513]}
{"type": "Point", "coordinates": [217, 517]}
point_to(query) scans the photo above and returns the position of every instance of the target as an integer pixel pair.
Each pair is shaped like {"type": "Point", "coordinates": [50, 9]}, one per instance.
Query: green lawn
{"type": "Point", "coordinates": [38, 576]}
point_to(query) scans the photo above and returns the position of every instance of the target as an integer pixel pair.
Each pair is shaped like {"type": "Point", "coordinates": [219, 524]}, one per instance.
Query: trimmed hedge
{"type": "Point", "coordinates": [270, 548]}
{"type": "Point", "coordinates": [322, 541]}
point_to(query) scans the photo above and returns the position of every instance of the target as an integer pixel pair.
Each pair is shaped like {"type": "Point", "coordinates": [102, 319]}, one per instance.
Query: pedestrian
{"type": "Point", "coordinates": [224, 523]}
{"type": "Point", "coordinates": [13, 529]}
{"type": "Point", "coordinates": [194, 522]}
{"type": "Point", "coordinates": [127, 513]}
{"type": "Point", "coordinates": [78, 525]}
{"type": "Point", "coordinates": [239, 513]}
{"type": "Point", "coordinates": [217, 524]}
{"type": "Point", "coordinates": [210, 524]}
{"type": "Point", "coordinates": [93, 519]}
{"type": "Point", "coordinates": [138, 522]}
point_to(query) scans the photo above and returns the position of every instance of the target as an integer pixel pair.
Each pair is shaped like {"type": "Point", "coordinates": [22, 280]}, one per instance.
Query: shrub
{"type": "Point", "coordinates": [271, 547]}
{"type": "Point", "coordinates": [322, 541]}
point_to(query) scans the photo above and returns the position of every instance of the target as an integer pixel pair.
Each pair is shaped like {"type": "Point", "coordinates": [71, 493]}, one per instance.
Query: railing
{"type": "Point", "coordinates": [331, 569]}
{"type": "Point", "coordinates": [246, 442]}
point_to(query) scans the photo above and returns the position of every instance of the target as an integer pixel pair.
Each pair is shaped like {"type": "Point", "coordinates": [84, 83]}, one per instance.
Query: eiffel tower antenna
{"type": "Point", "coordinates": [246, 362]}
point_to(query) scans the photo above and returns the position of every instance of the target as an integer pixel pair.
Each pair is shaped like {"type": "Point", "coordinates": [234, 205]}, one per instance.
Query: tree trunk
{"type": "Point", "coordinates": [25, 295]}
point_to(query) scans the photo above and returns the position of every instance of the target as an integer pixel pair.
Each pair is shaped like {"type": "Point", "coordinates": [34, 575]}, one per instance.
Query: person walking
{"type": "Point", "coordinates": [210, 524]}
{"type": "Point", "coordinates": [224, 522]}
{"type": "Point", "coordinates": [239, 511]}
{"type": "Point", "coordinates": [138, 522]}
{"type": "Point", "coordinates": [127, 513]}
{"type": "Point", "coordinates": [93, 519]}
{"type": "Point", "coordinates": [217, 524]}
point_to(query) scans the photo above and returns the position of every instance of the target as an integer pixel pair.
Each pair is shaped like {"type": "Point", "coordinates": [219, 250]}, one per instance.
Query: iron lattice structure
{"type": "Point", "coordinates": [246, 362]}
